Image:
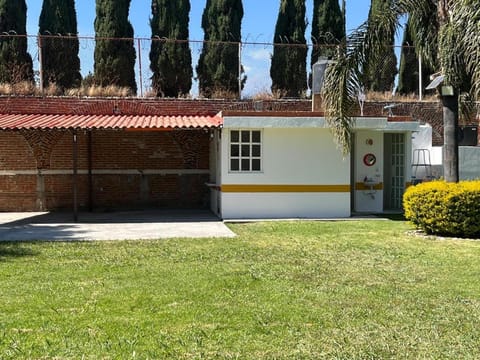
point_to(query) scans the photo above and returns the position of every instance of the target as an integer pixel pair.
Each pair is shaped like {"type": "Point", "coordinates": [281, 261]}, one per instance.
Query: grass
{"type": "Point", "coordinates": [286, 290]}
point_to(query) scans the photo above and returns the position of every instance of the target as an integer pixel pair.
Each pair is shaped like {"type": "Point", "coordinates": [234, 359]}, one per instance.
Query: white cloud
{"type": "Point", "coordinates": [259, 54]}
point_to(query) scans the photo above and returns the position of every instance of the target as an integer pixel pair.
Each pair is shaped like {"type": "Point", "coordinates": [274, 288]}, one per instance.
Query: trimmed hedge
{"type": "Point", "coordinates": [446, 209]}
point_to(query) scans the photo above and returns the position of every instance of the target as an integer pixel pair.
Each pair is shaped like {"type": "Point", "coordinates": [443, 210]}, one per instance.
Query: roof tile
{"type": "Point", "coordinates": [27, 121]}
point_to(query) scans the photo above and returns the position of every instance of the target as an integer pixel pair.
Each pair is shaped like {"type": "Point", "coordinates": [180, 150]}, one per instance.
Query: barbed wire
{"type": "Point", "coordinates": [254, 54]}
{"type": "Point", "coordinates": [332, 42]}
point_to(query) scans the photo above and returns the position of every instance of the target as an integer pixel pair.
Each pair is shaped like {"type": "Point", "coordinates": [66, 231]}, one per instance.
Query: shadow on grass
{"type": "Point", "coordinates": [10, 250]}
{"type": "Point", "coordinates": [394, 217]}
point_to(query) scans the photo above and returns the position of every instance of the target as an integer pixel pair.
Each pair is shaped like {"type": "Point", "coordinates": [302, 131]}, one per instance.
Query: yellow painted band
{"type": "Point", "coordinates": [362, 186]}
{"type": "Point", "coordinates": [285, 188]}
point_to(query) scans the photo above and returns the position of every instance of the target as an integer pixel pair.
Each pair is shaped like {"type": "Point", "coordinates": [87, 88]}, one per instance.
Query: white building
{"type": "Point", "coordinates": [286, 165]}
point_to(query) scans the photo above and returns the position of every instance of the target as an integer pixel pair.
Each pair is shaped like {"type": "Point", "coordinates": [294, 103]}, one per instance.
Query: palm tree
{"type": "Point", "coordinates": [447, 37]}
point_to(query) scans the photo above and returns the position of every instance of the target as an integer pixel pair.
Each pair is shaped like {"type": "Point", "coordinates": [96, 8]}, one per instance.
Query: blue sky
{"type": "Point", "coordinates": [258, 26]}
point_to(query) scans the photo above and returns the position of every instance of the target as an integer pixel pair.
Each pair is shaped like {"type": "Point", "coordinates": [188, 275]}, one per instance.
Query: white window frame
{"type": "Point", "coordinates": [241, 157]}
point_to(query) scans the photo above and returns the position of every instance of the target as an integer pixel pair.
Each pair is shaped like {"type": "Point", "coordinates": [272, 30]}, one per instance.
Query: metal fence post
{"type": "Point", "coordinates": [40, 61]}
{"type": "Point", "coordinates": [140, 66]}
{"type": "Point", "coordinates": [240, 70]}
{"type": "Point", "coordinates": [420, 78]}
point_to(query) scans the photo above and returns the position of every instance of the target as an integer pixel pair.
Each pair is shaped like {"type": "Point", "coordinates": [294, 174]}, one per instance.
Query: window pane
{"type": "Point", "coordinates": [234, 136]}
{"type": "Point", "coordinates": [256, 136]}
{"type": "Point", "coordinates": [245, 164]}
{"type": "Point", "coordinates": [255, 150]}
{"type": "Point", "coordinates": [246, 136]}
{"type": "Point", "coordinates": [235, 150]}
{"type": "Point", "coordinates": [245, 150]}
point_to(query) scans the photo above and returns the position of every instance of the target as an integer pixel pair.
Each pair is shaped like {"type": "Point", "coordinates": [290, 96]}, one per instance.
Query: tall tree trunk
{"type": "Point", "coordinates": [450, 142]}
{"type": "Point", "coordinates": [449, 103]}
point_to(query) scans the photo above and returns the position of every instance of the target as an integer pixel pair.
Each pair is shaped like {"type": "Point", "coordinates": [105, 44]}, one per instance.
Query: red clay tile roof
{"type": "Point", "coordinates": [44, 122]}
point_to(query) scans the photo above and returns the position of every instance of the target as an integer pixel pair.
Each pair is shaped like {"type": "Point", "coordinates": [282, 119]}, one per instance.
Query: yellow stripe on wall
{"type": "Point", "coordinates": [285, 188]}
{"type": "Point", "coordinates": [362, 186]}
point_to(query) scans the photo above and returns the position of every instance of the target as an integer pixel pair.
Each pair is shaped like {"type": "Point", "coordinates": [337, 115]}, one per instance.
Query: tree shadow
{"type": "Point", "coordinates": [25, 232]}
{"type": "Point", "coordinates": [10, 250]}
{"type": "Point", "coordinates": [116, 217]}
{"type": "Point", "coordinates": [59, 226]}
{"type": "Point", "coordinates": [394, 217]}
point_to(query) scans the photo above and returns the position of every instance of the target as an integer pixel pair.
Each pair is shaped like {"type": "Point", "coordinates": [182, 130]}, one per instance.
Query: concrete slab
{"type": "Point", "coordinates": [131, 225]}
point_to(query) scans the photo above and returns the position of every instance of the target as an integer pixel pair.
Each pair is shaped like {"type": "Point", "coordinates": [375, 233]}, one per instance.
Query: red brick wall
{"type": "Point", "coordinates": [15, 152]}
{"type": "Point", "coordinates": [129, 154]}
{"type": "Point", "coordinates": [18, 193]}
{"type": "Point", "coordinates": [426, 112]}
{"type": "Point", "coordinates": [59, 192]}
{"type": "Point", "coordinates": [95, 106]}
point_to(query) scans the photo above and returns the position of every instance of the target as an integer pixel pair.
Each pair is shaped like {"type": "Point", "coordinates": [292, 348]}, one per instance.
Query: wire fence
{"type": "Point", "coordinates": [384, 80]}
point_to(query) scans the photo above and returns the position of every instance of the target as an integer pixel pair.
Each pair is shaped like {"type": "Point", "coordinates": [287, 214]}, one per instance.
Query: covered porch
{"type": "Point", "coordinates": [104, 162]}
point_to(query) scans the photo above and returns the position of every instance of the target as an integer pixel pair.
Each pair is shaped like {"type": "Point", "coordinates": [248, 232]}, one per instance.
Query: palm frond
{"type": "Point", "coordinates": [343, 79]}
{"type": "Point", "coordinates": [466, 23]}
{"type": "Point", "coordinates": [451, 59]}
{"type": "Point", "coordinates": [467, 108]}
{"type": "Point", "coordinates": [341, 85]}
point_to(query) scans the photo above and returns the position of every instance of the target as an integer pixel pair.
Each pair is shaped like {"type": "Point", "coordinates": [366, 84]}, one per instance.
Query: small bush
{"type": "Point", "coordinates": [447, 209]}
{"type": "Point", "coordinates": [99, 91]}
{"type": "Point", "coordinates": [22, 88]}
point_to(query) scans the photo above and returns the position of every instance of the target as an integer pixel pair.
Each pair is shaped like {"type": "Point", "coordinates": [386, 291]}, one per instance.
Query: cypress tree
{"type": "Point", "coordinates": [114, 58]}
{"type": "Point", "coordinates": [328, 28]}
{"type": "Point", "coordinates": [381, 71]}
{"type": "Point", "coordinates": [288, 68]}
{"type": "Point", "coordinates": [15, 62]}
{"type": "Point", "coordinates": [170, 62]}
{"type": "Point", "coordinates": [408, 76]}
{"type": "Point", "coordinates": [218, 65]}
{"type": "Point", "coordinates": [61, 64]}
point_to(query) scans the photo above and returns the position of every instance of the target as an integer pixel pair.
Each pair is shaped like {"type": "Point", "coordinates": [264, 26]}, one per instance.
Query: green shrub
{"type": "Point", "coordinates": [447, 209]}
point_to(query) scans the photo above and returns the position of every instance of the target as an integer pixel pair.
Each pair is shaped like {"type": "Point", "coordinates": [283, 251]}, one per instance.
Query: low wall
{"type": "Point", "coordinates": [469, 157]}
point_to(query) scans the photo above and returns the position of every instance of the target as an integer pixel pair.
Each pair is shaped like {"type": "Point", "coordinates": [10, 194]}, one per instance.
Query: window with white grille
{"type": "Point", "coordinates": [245, 151]}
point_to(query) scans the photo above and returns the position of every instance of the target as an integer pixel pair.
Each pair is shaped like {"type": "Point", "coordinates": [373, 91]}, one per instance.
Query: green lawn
{"type": "Point", "coordinates": [286, 290]}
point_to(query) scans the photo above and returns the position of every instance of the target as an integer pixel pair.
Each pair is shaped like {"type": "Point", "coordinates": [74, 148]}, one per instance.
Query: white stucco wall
{"type": "Point", "coordinates": [290, 156]}
{"type": "Point", "coordinates": [469, 156]}
{"type": "Point", "coordinates": [285, 205]}
{"type": "Point", "coordinates": [422, 140]}
{"type": "Point", "coordinates": [369, 200]}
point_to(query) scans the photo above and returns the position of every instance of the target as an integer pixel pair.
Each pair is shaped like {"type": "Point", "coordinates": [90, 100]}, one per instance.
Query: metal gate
{"type": "Point", "coordinates": [398, 170]}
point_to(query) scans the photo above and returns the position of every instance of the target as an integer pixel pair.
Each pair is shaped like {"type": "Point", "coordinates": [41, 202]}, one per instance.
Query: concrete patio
{"type": "Point", "coordinates": [119, 225]}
